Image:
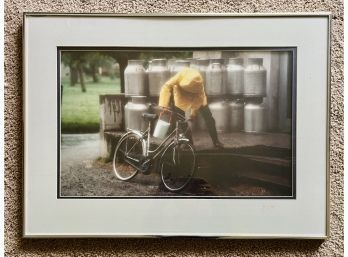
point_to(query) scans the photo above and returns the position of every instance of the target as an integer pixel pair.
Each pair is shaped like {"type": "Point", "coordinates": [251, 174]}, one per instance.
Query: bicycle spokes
{"type": "Point", "coordinates": [177, 165]}
{"type": "Point", "coordinates": [131, 143]}
{"type": "Point", "coordinates": [128, 156]}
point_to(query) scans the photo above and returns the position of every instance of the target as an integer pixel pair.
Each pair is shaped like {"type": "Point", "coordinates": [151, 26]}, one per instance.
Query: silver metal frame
{"type": "Point", "coordinates": [327, 15]}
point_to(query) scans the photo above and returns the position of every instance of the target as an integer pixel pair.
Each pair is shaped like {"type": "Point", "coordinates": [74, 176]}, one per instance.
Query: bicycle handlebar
{"type": "Point", "coordinates": [174, 112]}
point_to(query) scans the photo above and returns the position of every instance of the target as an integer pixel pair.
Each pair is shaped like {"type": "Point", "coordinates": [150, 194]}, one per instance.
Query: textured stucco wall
{"type": "Point", "coordinates": [16, 246]}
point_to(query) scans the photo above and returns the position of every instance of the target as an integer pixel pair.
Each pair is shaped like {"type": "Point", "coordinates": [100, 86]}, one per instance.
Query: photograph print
{"type": "Point", "coordinates": [176, 123]}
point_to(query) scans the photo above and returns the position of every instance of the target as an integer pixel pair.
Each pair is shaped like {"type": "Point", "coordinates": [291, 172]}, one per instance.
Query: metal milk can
{"type": "Point", "coordinates": [135, 78]}
{"type": "Point", "coordinates": [255, 78]}
{"type": "Point", "coordinates": [235, 76]}
{"type": "Point", "coordinates": [194, 64]}
{"type": "Point", "coordinates": [255, 116]}
{"type": "Point", "coordinates": [170, 65]}
{"type": "Point", "coordinates": [213, 85]}
{"type": "Point", "coordinates": [236, 115]}
{"type": "Point", "coordinates": [202, 65]}
{"type": "Point", "coordinates": [133, 113]}
{"type": "Point", "coordinates": [224, 71]}
{"type": "Point", "coordinates": [178, 66]}
{"type": "Point", "coordinates": [219, 110]}
{"type": "Point", "coordinates": [158, 74]}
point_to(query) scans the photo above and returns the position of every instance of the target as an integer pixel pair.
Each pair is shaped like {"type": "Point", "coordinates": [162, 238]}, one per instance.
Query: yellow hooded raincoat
{"type": "Point", "coordinates": [188, 88]}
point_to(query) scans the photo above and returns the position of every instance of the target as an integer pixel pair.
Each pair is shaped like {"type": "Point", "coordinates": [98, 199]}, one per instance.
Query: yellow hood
{"type": "Point", "coordinates": [191, 81]}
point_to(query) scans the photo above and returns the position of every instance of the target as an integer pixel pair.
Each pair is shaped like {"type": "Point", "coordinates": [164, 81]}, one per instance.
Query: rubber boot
{"type": "Point", "coordinates": [210, 123]}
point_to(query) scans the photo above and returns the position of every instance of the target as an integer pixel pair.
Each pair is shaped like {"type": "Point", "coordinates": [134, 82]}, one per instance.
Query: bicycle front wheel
{"type": "Point", "coordinates": [128, 156]}
{"type": "Point", "coordinates": [177, 165]}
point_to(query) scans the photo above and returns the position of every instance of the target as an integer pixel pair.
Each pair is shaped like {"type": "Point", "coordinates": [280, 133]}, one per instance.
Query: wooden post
{"type": "Point", "coordinates": [111, 121]}
{"type": "Point", "coordinates": [122, 61]}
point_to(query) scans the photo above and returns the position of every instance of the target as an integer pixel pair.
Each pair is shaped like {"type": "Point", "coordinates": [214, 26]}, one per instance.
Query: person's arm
{"type": "Point", "coordinates": [167, 89]}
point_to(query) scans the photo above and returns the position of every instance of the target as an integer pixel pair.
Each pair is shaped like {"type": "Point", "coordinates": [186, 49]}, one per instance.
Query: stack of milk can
{"type": "Point", "coordinates": [136, 88]}
{"type": "Point", "coordinates": [234, 93]}
{"type": "Point", "coordinates": [254, 91]}
{"type": "Point", "coordinates": [140, 86]}
{"type": "Point", "coordinates": [215, 84]}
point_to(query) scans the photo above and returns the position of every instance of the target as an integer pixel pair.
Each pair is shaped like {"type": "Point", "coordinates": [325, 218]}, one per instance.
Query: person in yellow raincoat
{"type": "Point", "coordinates": [185, 91]}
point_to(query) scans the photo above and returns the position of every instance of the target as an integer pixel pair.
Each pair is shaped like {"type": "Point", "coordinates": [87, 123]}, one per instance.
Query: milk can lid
{"type": "Point", "coordinates": [136, 61]}
{"type": "Point", "coordinates": [216, 60]}
{"type": "Point", "coordinates": [257, 61]}
{"type": "Point", "coordinates": [159, 61]}
{"type": "Point", "coordinates": [238, 61]}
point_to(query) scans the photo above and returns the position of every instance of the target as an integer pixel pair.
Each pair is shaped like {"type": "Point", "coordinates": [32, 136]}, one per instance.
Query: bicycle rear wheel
{"type": "Point", "coordinates": [128, 156]}
{"type": "Point", "coordinates": [177, 165]}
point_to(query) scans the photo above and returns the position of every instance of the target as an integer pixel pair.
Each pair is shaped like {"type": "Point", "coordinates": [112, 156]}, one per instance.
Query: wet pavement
{"type": "Point", "coordinates": [250, 165]}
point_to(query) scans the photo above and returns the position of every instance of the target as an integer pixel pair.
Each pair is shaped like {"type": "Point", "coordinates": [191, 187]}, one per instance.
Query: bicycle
{"type": "Point", "coordinates": [177, 161]}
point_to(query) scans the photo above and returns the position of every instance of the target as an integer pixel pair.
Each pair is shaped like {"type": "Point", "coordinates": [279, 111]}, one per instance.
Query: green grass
{"type": "Point", "coordinates": [80, 111]}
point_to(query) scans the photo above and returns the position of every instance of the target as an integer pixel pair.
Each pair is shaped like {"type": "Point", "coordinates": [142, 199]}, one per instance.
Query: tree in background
{"type": "Point", "coordinates": [79, 64]}
{"type": "Point", "coordinates": [94, 61]}
{"type": "Point", "coordinates": [75, 60]}
{"type": "Point", "coordinates": [87, 62]}
{"type": "Point", "coordinates": [68, 60]}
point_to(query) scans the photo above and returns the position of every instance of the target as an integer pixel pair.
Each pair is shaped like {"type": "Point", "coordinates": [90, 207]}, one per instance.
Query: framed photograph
{"type": "Point", "coordinates": [197, 125]}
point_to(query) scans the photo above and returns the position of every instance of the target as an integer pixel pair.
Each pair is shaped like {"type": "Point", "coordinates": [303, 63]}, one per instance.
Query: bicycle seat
{"type": "Point", "coordinates": [149, 116]}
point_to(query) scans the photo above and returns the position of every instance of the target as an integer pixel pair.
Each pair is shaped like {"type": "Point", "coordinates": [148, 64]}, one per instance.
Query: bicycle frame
{"type": "Point", "coordinates": [144, 160]}
{"type": "Point", "coordinates": [173, 136]}
{"type": "Point", "coordinates": [154, 153]}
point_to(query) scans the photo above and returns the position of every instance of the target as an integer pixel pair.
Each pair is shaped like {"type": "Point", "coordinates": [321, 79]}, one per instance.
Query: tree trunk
{"type": "Point", "coordinates": [73, 76]}
{"type": "Point", "coordinates": [95, 73]}
{"type": "Point", "coordinates": [82, 80]}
